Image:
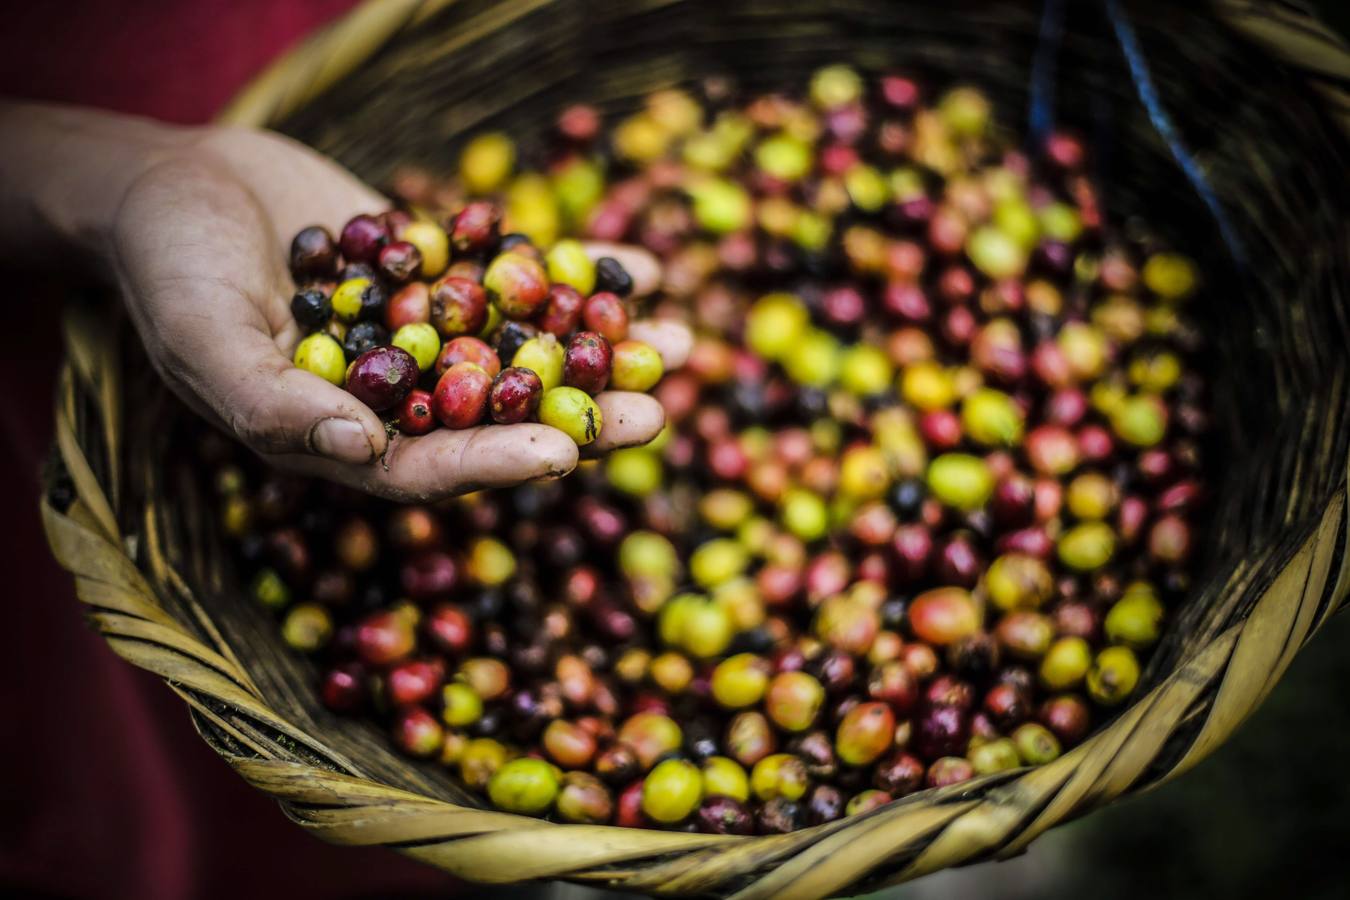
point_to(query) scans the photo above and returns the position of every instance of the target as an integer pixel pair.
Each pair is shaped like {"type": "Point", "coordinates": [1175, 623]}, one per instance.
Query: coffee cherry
{"type": "Point", "coordinates": [636, 366]}
{"type": "Point", "coordinates": [724, 777]}
{"type": "Point", "coordinates": [363, 337]}
{"type": "Point", "coordinates": [572, 412]}
{"type": "Point", "coordinates": [749, 738]}
{"type": "Point", "coordinates": [314, 253]}
{"type": "Point", "coordinates": [997, 755]}
{"type": "Point", "coordinates": [526, 786]}
{"type": "Point", "coordinates": [1113, 676]}
{"type": "Point", "coordinates": [794, 700]}
{"type": "Point", "coordinates": [545, 356]}
{"type": "Point", "coordinates": [362, 237]}
{"type": "Point", "coordinates": [409, 305]}
{"type": "Point", "coordinates": [461, 395]}
{"type": "Point", "coordinates": [414, 414]}
{"type": "Point", "coordinates": [475, 229]}
{"type": "Point", "coordinates": [740, 681]}
{"type": "Point", "coordinates": [382, 377]}
{"type": "Point", "coordinates": [468, 349]}
{"type": "Point", "coordinates": [672, 791]}
{"type": "Point", "coordinates": [779, 775]}
{"type": "Point", "coordinates": [612, 277]}
{"type": "Point", "coordinates": [421, 341]}
{"type": "Point", "coordinates": [943, 616]}
{"type": "Point", "coordinates": [517, 284]}
{"type": "Point", "coordinates": [587, 362]}
{"type": "Point", "coordinates": [866, 731]}
{"type": "Point", "coordinates": [1036, 745]}
{"type": "Point", "coordinates": [323, 356]}
{"type": "Point", "coordinates": [605, 313]}
{"type": "Point", "coordinates": [724, 815]}
{"type": "Point", "coordinates": [650, 736]}
{"type": "Point", "coordinates": [311, 309]}
{"type": "Point", "coordinates": [584, 800]}
{"type": "Point", "coordinates": [458, 306]}
{"type": "Point", "coordinates": [399, 261]}
{"type": "Point", "coordinates": [514, 396]}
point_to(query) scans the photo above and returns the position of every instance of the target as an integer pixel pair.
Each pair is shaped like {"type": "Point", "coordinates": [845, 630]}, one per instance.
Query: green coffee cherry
{"type": "Point", "coordinates": [717, 561]}
{"type": "Point", "coordinates": [269, 590]}
{"type": "Point", "coordinates": [991, 418]}
{"type": "Point", "coordinates": [724, 777]}
{"type": "Point", "coordinates": [572, 412]}
{"type": "Point", "coordinates": [1140, 420]}
{"type": "Point", "coordinates": [462, 705]}
{"type": "Point", "coordinates": [568, 263]}
{"type": "Point", "coordinates": [489, 562]}
{"type": "Point", "coordinates": [865, 370]}
{"type": "Point", "coordinates": [725, 509]}
{"type": "Point", "coordinates": [579, 186]}
{"type": "Point", "coordinates": [323, 356]}
{"type": "Point", "coordinates": [960, 480]}
{"type": "Point", "coordinates": [635, 471]}
{"type": "Point", "coordinates": [779, 775]}
{"type": "Point", "coordinates": [1134, 620]}
{"type": "Point", "coordinates": [965, 111]}
{"type": "Point", "coordinates": [1113, 676]}
{"type": "Point", "coordinates": [1018, 581]}
{"type": "Point", "coordinates": [526, 786]}
{"type": "Point", "coordinates": [785, 157]}
{"type": "Point", "coordinates": [648, 553]}
{"type": "Point", "coordinates": [866, 187]}
{"type": "Point", "coordinates": [636, 366]}
{"type": "Point", "coordinates": [487, 161]}
{"type": "Point", "coordinates": [672, 791]}
{"type": "Point", "coordinates": [1036, 745]}
{"type": "Point", "coordinates": [1061, 222]}
{"type": "Point", "coordinates": [815, 362]}
{"type": "Point", "coordinates": [805, 514]}
{"type": "Point", "coordinates": [543, 355]}
{"type": "Point", "coordinates": [740, 681]}
{"type": "Point", "coordinates": [1014, 217]}
{"type": "Point", "coordinates": [995, 254]}
{"type": "Point", "coordinates": [997, 755]}
{"type": "Point", "coordinates": [307, 627]}
{"type": "Point", "coordinates": [835, 86]}
{"type": "Point", "coordinates": [720, 206]}
{"type": "Point", "coordinates": [1170, 275]}
{"type": "Point", "coordinates": [1087, 546]}
{"type": "Point", "coordinates": [422, 343]}
{"type": "Point", "coordinates": [1065, 663]}
{"type": "Point", "coordinates": [347, 298]}
{"type": "Point", "coordinates": [775, 324]}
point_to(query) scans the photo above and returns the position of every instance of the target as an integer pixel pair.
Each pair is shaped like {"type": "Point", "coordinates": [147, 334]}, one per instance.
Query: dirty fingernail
{"type": "Point", "coordinates": [342, 440]}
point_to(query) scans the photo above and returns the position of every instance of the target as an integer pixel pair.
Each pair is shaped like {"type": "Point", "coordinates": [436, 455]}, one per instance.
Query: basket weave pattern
{"type": "Point", "coordinates": [135, 533]}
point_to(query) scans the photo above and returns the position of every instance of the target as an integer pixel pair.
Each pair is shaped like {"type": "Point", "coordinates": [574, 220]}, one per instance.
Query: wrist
{"type": "Point", "coordinates": [66, 173]}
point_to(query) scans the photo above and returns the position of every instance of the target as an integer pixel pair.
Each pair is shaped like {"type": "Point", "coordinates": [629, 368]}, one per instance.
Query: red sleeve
{"type": "Point", "coordinates": [177, 60]}
{"type": "Point", "coordinates": [108, 792]}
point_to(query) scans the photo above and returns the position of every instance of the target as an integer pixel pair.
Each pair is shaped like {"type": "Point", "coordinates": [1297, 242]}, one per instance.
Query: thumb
{"type": "Point", "coordinates": [275, 407]}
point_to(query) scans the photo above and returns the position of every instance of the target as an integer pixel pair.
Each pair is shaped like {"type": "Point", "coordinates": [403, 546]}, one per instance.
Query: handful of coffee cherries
{"type": "Point", "coordinates": [458, 326]}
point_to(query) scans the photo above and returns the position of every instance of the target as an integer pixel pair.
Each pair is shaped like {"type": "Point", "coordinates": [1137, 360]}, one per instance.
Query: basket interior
{"type": "Point", "coordinates": [1277, 314]}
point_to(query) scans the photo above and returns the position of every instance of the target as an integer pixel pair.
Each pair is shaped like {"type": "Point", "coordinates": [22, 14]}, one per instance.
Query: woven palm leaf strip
{"type": "Point", "coordinates": [136, 537]}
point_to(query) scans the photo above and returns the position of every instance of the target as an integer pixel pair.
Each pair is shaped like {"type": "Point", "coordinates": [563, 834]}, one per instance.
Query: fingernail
{"type": "Point", "coordinates": [343, 440]}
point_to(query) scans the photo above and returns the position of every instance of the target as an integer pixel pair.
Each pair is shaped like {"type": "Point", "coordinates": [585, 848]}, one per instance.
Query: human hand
{"type": "Point", "coordinates": [198, 250]}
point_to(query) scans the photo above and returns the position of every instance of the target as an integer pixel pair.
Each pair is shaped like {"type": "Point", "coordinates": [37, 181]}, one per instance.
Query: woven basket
{"type": "Point", "coordinates": [1252, 90]}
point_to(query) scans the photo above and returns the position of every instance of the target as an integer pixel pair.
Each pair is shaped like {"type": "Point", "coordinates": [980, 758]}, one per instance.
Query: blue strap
{"type": "Point", "coordinates": [1041, 109]}
{"type": "Point", "coordinates": [1162, 123]}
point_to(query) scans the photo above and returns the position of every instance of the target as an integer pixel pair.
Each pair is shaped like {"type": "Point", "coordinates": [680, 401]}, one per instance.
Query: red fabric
{"type": "Point", "coordinates": [106, 790]}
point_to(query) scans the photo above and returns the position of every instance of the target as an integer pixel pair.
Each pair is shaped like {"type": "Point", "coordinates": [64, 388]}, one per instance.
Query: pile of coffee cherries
{"type": "Point", "coordinates": [417, 321]}
{"type": "Point", "coordinates": [928, 485]}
